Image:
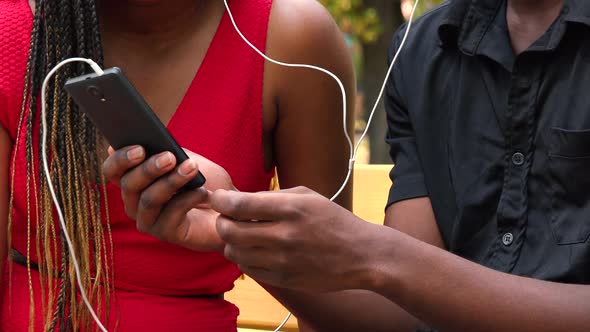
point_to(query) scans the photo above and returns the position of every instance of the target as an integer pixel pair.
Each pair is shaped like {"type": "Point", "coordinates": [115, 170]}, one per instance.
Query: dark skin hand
{"type": "Point", "coordinates": [185, 218]}
{"type": "Point", "coordinates": [276, 253]}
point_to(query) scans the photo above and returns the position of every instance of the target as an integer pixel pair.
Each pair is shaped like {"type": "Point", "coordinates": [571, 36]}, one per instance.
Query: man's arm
{"type": "Point", "coordinates": [453, 294]}
{"type": "Point", "coordinates": [447, 292]}
{"type": "Point", "coordinates": [360, 310]}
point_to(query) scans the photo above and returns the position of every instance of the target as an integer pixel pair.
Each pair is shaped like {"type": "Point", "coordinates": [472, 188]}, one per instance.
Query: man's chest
{"type": "Point", "coordinates": [525, 123]}
{"type": "Point", "coordinates": [512, 150]}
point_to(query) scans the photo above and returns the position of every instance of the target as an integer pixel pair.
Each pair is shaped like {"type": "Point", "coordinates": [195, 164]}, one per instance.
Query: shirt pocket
{"type": "Point", "coordinates": [569, 170]}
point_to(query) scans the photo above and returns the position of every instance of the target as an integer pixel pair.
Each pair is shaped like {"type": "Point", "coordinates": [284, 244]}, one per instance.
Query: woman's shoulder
{"type": "Point", "coordinates": [309, 17]}
{"type": "Point", "coordinates": [303, 31]}
{"type": "Point", "coordinates": [15, 10]}
{"type": "Point", "coordinates": [16, 20]}
{"type": "Point", "coordinates": [15, 30]}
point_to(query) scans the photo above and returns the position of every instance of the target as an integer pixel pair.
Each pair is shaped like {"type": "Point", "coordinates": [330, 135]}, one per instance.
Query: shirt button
{"type": "Point", "coordinates": [507, 239]}
{"type": "Point", "coordinates": [518, 159]}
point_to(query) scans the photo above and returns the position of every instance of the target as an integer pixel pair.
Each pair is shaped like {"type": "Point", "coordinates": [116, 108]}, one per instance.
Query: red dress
{"type": "Point", "coordinates": [220, 118]}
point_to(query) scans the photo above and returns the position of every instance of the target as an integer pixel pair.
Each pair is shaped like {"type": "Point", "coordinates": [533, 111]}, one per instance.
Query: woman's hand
{"type": "Point", "coordinates": [149, 190]}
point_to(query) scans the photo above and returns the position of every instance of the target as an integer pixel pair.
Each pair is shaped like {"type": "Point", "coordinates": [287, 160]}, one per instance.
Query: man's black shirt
{"type": "Point", "coordinates": [499, 143]}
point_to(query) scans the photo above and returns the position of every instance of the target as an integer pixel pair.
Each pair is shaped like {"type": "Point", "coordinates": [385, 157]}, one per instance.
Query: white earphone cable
{"type": "Point", "coordinates": [353, 150]}
{"type": "Point", "coordinates": [296, 65]}
{"type": "Point", "coordinates": [393, 61]}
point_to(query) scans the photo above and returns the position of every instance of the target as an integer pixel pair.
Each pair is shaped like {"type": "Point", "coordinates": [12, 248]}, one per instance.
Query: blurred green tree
{"type": "Point", "coordinates": [369, 26]}
{"type": "Point", "coordinates": [361, 21]}
{"type": "Point", "coordinates": [355, 19]}
{"type": "Point", "coordinates": [425, 5]}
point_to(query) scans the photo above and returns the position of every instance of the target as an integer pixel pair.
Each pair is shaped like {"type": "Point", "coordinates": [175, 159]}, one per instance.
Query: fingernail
{"type": "Point", "coordinates": [135, 153]}
{"type": "Point", "coordinates": [164, 160]}
{"type": "Point", "coordinates": [187, 167]}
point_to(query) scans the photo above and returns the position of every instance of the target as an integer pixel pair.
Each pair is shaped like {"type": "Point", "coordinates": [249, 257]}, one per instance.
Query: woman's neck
{"type": "Point", "coordinates": [152, 20]}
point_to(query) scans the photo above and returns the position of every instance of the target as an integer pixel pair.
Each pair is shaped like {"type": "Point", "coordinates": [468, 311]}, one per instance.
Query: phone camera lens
{"type": "Point", "coordinates": [95, 91]}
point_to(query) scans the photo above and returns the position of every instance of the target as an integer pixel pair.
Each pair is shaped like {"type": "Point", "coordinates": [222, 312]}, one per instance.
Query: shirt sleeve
{"type": "Point", "coordinates": [406, 176]}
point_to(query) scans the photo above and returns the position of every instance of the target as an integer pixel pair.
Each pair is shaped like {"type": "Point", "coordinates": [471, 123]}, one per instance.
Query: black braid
{"type": "Point", "coordinates": [36, 63]}
{"type": "Point", "coordinates": [96, 49]}
{"type": "Point", "coordinates": [64, 29]}
{"type": "Point", "coordinates": [96, 41]}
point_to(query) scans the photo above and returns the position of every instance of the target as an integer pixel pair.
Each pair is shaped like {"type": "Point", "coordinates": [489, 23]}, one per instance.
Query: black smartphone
{"type": "Point", "coordinates": [123, 117]}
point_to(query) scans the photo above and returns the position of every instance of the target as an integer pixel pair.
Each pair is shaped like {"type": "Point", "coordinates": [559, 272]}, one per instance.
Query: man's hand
{"type": "Point", "coordinates": [294, 238]}
{"type": "Point", "coordinates": [149, 190]}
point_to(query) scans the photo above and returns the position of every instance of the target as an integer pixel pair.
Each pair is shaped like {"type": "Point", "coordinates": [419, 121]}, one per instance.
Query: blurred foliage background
{"type": "Point", "coordinates": [362, 22]}
{"type": "Point", "coordinates": [356, 20]}
{"type": "Point", "coordinates": [368, 27]}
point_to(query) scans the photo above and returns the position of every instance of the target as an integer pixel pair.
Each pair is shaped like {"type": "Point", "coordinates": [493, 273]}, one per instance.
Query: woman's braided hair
{"type": "Point", "coordinates": [64, 29]}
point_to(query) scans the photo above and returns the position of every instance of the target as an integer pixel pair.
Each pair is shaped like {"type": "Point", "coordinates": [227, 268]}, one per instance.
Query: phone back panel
{"type": "Point", "coordinates": [118, 110]}
{"type": "Point", "coordinates": [122, 115]}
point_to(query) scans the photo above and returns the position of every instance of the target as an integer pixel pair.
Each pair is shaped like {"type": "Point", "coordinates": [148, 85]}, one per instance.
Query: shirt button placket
{"type": "Point", "coordinates": [512, 216]}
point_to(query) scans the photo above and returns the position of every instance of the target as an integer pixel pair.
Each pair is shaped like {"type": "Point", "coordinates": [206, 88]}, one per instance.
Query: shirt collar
{"type": "Point", "coordinates": [467, 22]}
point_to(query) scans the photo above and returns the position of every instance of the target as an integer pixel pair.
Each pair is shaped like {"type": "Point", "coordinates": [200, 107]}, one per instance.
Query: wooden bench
{"type": "Point", "coordinates": [259, 311]}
